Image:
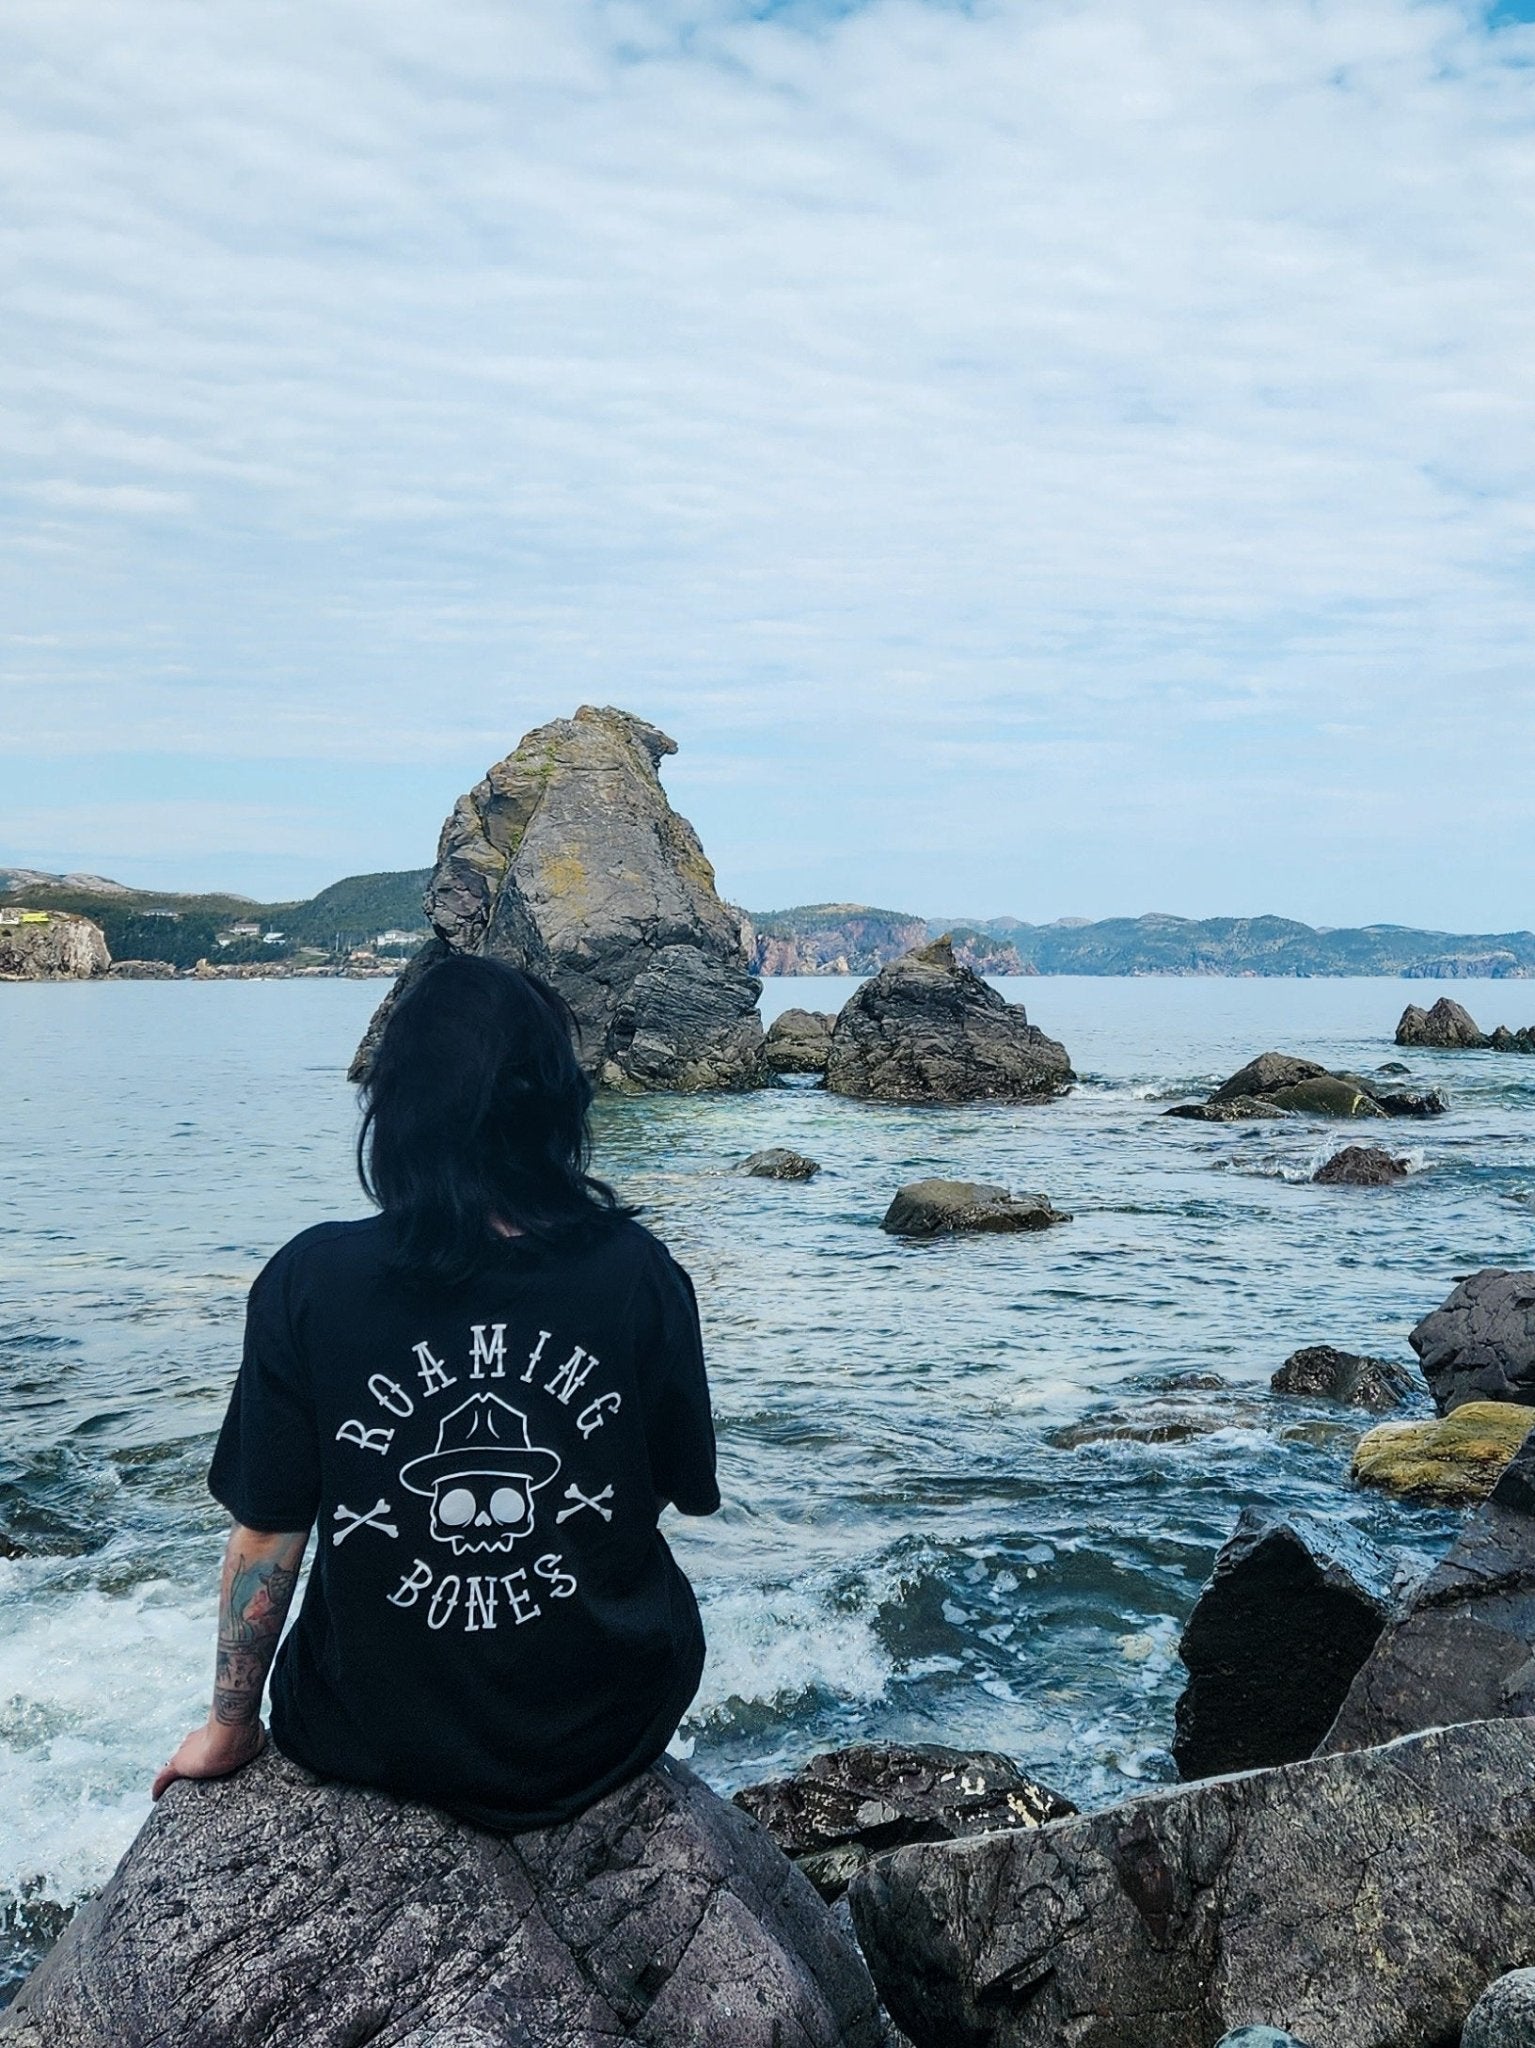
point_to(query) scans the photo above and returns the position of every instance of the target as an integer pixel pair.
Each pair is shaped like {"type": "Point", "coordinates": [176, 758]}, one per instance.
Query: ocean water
{"type": "Point", "coordinates": [972, 1488]}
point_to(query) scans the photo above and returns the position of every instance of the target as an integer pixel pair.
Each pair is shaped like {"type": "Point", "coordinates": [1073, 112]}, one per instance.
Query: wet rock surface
{"type": "Point", "coordinates": [1361, 1166]}
{"type": "Point", "coordinates": [1479, 1345]}
{"type": "Point", "coordinates": [1463, 1649]}
{"type": "Point", "coordinates": [568, 860]}
{"type": "Point", "coordinates": [1319, 1372]}
{"type": "Point", "coordinates": [1282, 1084]}
{"type": "Point", "coordinates": [1285, 1620]}
{"type": "Point", "coordinates": [948, 1208]}
{"type": "Point", "coordinates": [267, 1911]}
{"type": "Point", "coordinates": [1453, 1459]}
{"type": "Point", "coordinates": [58, 946]}
{"type": "Point", "coordinates": [777, 1162]}
{"type": "Point", "coordinates": [1367, 1897]}
{"type": "Point", "coordinates": [928, 1030]}
{"type": "Point", "coordinates": [798, 1042]}
{"type": "Point", "coordinates": [851, 1804]}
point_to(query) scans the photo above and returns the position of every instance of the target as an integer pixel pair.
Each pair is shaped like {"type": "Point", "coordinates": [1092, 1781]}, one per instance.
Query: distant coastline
{"type": "Point", "coordinates": [370, 924]}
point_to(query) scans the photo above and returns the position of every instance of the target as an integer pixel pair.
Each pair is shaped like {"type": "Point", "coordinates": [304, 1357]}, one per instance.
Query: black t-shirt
{"type": "Point", "coordinates": [493, 1621]}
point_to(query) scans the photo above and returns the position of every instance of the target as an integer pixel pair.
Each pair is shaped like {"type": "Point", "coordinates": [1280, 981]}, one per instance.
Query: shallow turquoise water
{"type": "Point", "coordinates": [916, 1539]}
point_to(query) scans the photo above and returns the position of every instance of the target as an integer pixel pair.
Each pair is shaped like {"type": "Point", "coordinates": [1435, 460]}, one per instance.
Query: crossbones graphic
{"type": "Point", "coordinates": [586, 1500]}
{"type": "Point", "coordinates": [370, 1520]}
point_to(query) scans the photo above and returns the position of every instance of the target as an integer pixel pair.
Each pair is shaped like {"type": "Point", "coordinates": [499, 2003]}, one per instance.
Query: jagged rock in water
{"type": "Point", "coordinates": [1368, 1898]}
{"type": "Point", "coordinates": [1278, 1083]}
{"type": "Point", "coordinates": [1318, 1372]}
{"type": "Point", "coordinates": [777, 1162]}
{"type": "Point", "coordinates": [143, 970]}
{"type": "Point", "coordinates": [850, 1804]}
{"type": "Point", "coordinates": [270, 1911]}
{"type": "Point", "coordinates": [1286, 1618]}
{"type": "Point", "coordinates": [1463, 1649]}
{"type": "Point", "coordinates": [1360, 1166]}
{"type": "Point", "coordinates": [1504, 2015]}
{"type": "Point", "coordinates": [1479, 1344]}
{"type": "Point", "coordinates": [927, 1030]}
{"type": "Point", "coordinates": [53, 945]}
{"type": "Point", "coordinates": [1446, 1024]}
{"type": "Point", "coordinates": [946, 1208]}
{"type": "Point", "coordinates": [1453, 1459]}
{"type": "Point", "coordinates": [798, 1042]}
{"type": "Point", "coordinates": [569, 861]}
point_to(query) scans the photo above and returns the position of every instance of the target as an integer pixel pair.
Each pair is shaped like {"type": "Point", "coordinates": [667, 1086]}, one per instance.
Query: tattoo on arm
{"type": "Point", "coordinates": [260, 1573]}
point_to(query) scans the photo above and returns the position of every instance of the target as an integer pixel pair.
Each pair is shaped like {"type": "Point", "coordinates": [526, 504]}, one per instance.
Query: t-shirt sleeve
{"type": "Point", "coordinates": [679, 1426]}
{"type": "Point", "coordinates": [266, 1464]}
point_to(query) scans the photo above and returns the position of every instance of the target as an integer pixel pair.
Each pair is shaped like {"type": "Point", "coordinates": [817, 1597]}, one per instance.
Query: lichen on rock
{"type": "Point", "coordinates": [568, 860]}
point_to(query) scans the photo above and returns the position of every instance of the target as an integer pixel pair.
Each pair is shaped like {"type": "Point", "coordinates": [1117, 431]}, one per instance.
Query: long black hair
{"type": "Point", "coordinates": [475, 1108]}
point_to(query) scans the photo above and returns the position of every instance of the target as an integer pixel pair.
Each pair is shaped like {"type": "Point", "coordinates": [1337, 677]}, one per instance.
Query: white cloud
{"type": "Point", "coordinates": [939, 417]}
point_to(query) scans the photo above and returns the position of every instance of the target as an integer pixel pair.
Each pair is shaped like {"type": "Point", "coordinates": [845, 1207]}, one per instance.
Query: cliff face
{"type": "Point", "coordinates": [568, 860]}
{"type": "Point", "coordinates": [52, 946]}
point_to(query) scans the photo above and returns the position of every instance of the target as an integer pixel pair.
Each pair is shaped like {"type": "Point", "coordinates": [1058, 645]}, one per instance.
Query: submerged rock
{"type": "Point", "coordinates": [944, 1208]}
{"type": "Point", "coordinates": [51, 945]}
{"type": "Point", "coordinates": [928, 1030]}
{"type": "Point", "coordinates": [1367, 1897]}
{"type": "Point", "coordinates": [798, 1042]}
{"type": "Point", "coordinates": [777, 1162]}
{"type": "Point", "coordinates": [569, 861]}
{"type": "Point", "coordinates": [1454, 1459]}
{"type": "Point", "coordinates": [1479, 1344]}
{"type": "Point", "coordinates": [1236, 1109]}
{"type": "Point", "coordinates": [1279, 1083]}
{"type": "Point", "coordinates": [1286, 1618]}
{"type": "Point", "coordinates": [1463, 1649]}
{"type": "Point", "coordinates": [270, 1911]}
{"type": "Point", "coordinates": [1504, 2015]}
{"type": "Point", "coordinates": [1320, 1373]}
{"type": "Point", "coordinates": [850, 1804]}
{"type": "Point", "coordinates": [1361, 1166]}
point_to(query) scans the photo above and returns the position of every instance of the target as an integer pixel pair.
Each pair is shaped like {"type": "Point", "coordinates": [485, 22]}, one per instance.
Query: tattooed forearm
{"type": "Point", "coordinates": [260, 1573]}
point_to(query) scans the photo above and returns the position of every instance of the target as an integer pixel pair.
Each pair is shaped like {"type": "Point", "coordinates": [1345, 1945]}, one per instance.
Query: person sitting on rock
{"type": "Point", "coordinates": [484, 1397]}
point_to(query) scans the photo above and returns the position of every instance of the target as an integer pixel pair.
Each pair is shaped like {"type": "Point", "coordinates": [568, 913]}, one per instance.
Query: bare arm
{"type": "Point", "coordinates": [260, 1573]}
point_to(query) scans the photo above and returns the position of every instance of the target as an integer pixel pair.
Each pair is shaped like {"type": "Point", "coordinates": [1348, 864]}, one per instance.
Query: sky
{"type": "Point", "coordinates": [1048, 457]}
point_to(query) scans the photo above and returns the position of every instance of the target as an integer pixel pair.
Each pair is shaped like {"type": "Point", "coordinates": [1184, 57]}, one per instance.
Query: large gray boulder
{"type": "Point", "coordinates": [1463, 1649]}
{"type": "Point", "coordinates": [1479, 1344]}
{"type": "Point", "coordinates": [928, 1030]}
{"type": "Point", "coordinates": [270, 1911]}
{"type": "Point", "coordinates": [848, 1804]}
{"type": "Point", "coordinates": [51, 945]}
{"type": "Point", "coordinates": [569, 861]}
{"type": "Point", "coordinates": [798, 1042]}
{"type": "Point", "coordinates": [1362, 1900]}
{"type": "Point", "coordinates": [1291, 1610]}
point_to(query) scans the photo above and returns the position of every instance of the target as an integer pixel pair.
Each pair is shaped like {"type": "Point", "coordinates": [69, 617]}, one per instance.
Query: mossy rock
{"type": "Point", "coordinates": [1327, 1095]}
{"type": "Point", "coordinates": [1455, 1459]}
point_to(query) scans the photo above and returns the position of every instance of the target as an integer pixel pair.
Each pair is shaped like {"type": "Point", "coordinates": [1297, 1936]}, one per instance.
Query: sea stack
{"type": "Point", "coordinates": [50, 945]}
{"type": "Point", "coordinates": [926, 1029]}
{"type": "Point", "coordinates": [568, 860]}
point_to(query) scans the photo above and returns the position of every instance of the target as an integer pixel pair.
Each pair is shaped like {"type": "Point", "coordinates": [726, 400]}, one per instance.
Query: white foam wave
{"type": "Point", "coordinates": [95, 1693]}
{"type": "Point", "coordinates": [772, 1645]}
